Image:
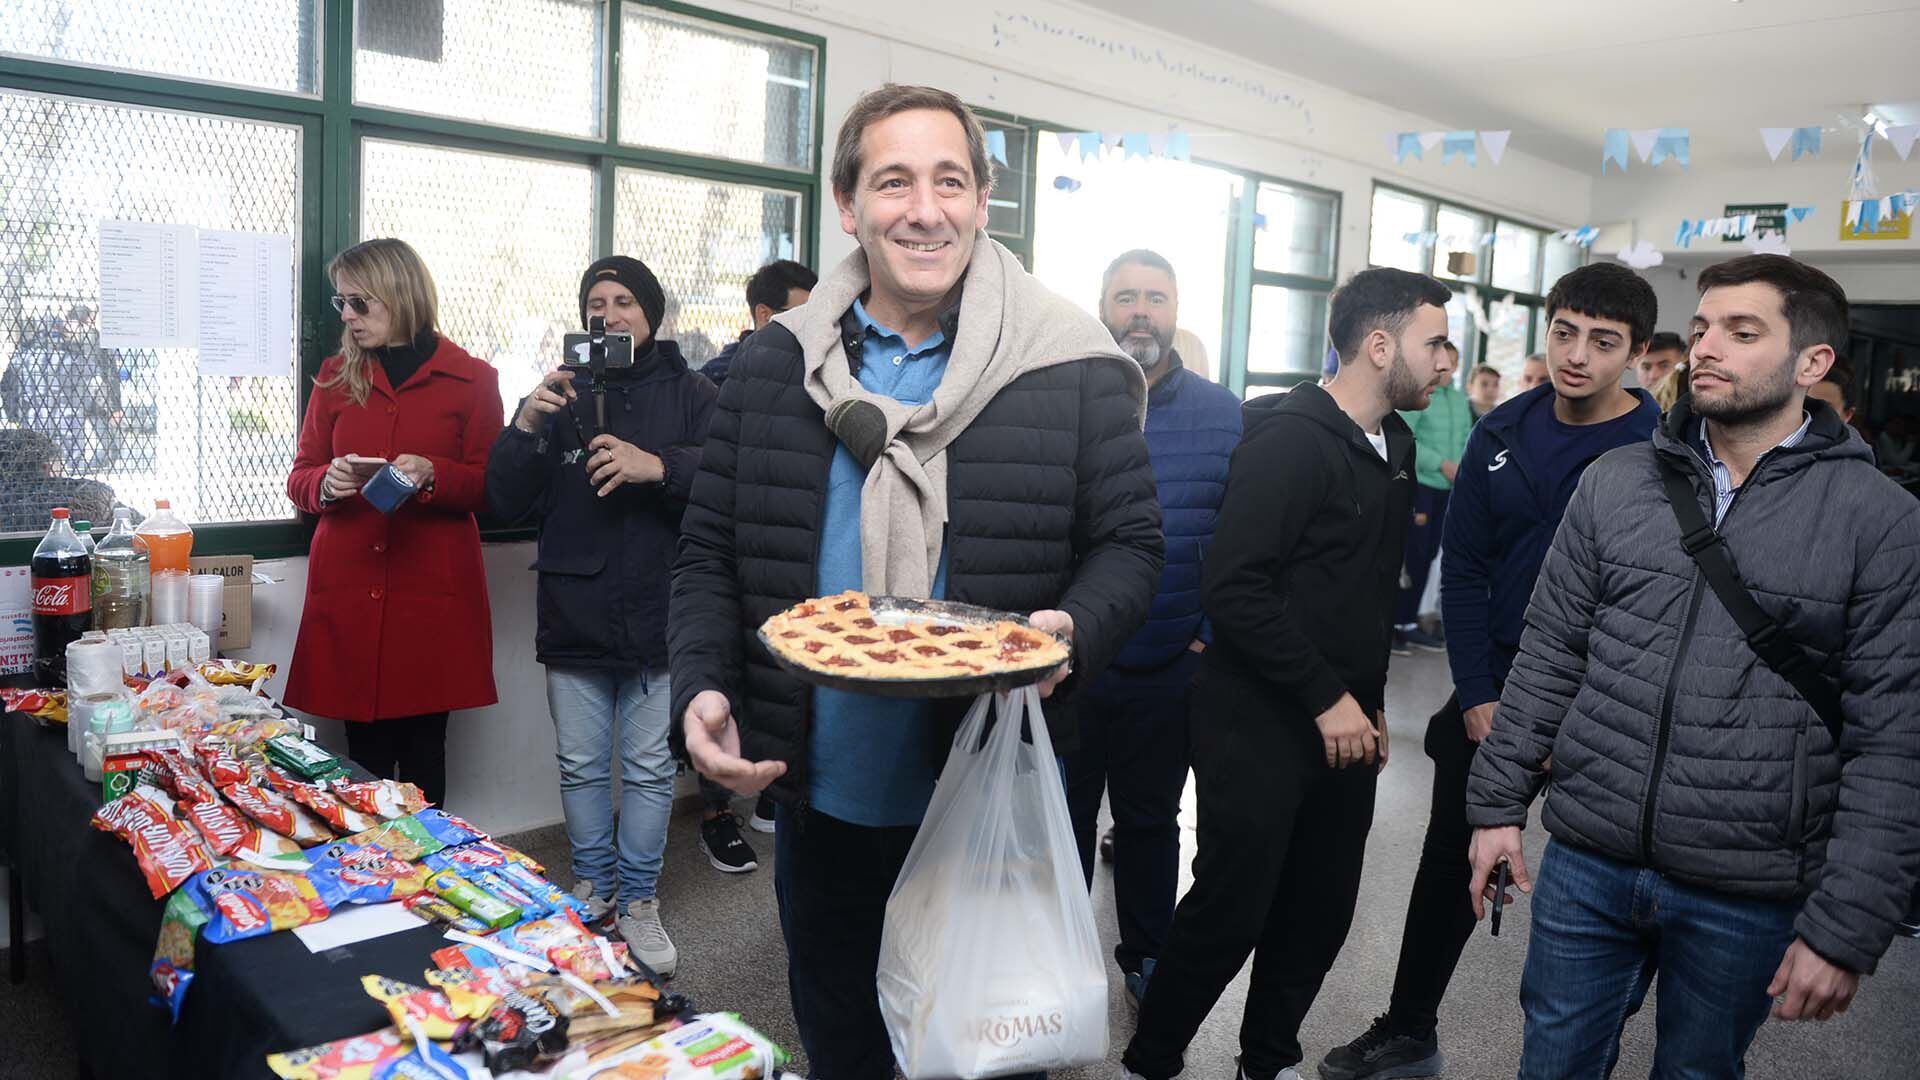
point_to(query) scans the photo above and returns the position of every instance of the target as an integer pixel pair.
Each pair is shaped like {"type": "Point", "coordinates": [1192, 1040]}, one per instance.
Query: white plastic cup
{"type": "Point", "coordinates": [170, 596]}
{"type": "Point", "coordinates": [205, 600]}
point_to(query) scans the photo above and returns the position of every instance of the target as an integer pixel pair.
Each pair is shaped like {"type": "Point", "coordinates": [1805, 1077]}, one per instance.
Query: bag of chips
{"type": "Point", "coordinates": [474, 990]}
{"type": "Point", "coordinates": [230, 672]}
{"type": "Point", "coordinates": [343, 1059]}
{"type": "Point", "coordinates": [366, 873]}
{"type": "Point", "coordinates": [174, 771]}
{"type": "Point", "coordinates": [495, 869]}
{"type": "Point", "coordinates": [525, 1027]}
{"type": "Point", "coordinates": [538, 937]}
{"type": "Point", "coordinates": [43, 706]}
{"type": "Point", "coordinates": [276, 812]}
{"type": "Point", "coordinates": [219, 762]}
{"type": "Point", "coordinates": [384, 799]}
{"type": "Point", "coordinates": [168, 851]}
{"type": "Point", "coordinates": [418, 835]}
{"type": "Point", "coordinates": [172, 966]}
{"type": "Point", "coordinates": [711, 1046]}
{"type": "Point", "coordinates": [245, 902]}
{"type": "Point", "coordinates": [599, 960]}
{"type": "Point", "coordinates": [224, 828]}
{"type": "Point", "coordinates": [409, 1005]}
{"type": "Point", "coordinates": [341, 817]}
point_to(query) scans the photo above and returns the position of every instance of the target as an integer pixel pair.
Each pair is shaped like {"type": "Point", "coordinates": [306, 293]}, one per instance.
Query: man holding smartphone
{"type": "Point", "coordinates": [608, 505]}
{"type": "Point", "coordinates": [1516, 476]}
{"type": "Point", "coordinates": [1287, 727]}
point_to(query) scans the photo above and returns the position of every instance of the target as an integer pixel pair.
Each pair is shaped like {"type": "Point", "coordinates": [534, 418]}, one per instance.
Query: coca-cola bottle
{"type": "Point", "coordinates": [62, 578]}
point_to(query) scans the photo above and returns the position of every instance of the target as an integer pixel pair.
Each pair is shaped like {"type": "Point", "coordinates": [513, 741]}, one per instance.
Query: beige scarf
{"type": "Point", "coordinates": [1009, 325]}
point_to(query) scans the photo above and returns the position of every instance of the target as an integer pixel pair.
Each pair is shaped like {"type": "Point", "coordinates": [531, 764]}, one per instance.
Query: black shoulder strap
{"type": "Point", "coordinates": [1772, 646]}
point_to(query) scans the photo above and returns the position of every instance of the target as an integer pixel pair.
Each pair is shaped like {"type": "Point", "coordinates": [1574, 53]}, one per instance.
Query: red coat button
{"type": "Point", "coordinates": [377, 591]}
{"type": "Point", "coordinates": [379, 547]}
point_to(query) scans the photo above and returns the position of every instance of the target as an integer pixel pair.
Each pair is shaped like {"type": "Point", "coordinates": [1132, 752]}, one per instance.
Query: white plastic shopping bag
{"type": "Point", "coordinates": [989, 960]}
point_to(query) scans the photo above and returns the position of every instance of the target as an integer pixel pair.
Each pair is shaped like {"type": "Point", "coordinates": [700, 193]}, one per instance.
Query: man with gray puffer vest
{"type": "Point", "coordinates": [1705, 823]}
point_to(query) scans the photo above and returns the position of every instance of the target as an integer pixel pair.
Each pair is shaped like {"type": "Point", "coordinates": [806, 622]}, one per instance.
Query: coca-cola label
{"type": "Point", "coordinates": [62, 595]}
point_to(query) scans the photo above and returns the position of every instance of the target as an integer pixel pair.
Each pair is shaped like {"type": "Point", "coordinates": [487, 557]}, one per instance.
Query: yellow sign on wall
{"type": "Point", "coordinates": [1892, 226]}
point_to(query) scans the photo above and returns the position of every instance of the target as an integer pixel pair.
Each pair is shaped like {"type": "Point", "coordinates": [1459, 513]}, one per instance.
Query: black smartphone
{"type": "Point", "coordinates": [579, 347]}
{"type": "Point", "coordinates": [1502, 877]}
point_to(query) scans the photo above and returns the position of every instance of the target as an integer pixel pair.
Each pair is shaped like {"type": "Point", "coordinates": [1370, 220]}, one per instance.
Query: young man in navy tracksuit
{"type": "Point", "coordinates": [1521, 465]}
{"type": "Point", "coordinates": [1133, 736]}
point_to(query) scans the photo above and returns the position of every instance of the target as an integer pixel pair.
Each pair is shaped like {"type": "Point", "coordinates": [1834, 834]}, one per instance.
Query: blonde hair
{"type": "Point", "coordinates": [392, 273]}
{"type": "Point", "coordinates": [1668, 389]}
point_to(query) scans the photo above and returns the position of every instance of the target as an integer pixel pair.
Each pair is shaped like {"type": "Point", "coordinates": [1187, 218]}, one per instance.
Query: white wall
{"type": "Point", "coordinates": [1893, 280]}
{"type": "Point", "coordinates": [1651, 203]}
{"type": "Point", "coordinates": [1084, 70]}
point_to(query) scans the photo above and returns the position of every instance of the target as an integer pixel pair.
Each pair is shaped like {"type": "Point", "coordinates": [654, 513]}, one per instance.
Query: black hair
{"type": "Point", "coordinates": [771, 283]}
{"type": "Point", "coordinates": [1815, 304]}
{"type": "Point", "coordinates": [1141, 257]}
{"type": "Point", "coordinates": [1382, 298]}
{"type": "Point", "coordinates": [1667, 341]}
{"type": "Point", "coordinates": [1841, 375]}
{"type": "Point", "coordinates": [1608, 291]}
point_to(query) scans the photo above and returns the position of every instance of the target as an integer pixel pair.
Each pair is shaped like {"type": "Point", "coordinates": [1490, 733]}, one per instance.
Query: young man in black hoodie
{"type": "Point", "coordinates": [1288, 725]}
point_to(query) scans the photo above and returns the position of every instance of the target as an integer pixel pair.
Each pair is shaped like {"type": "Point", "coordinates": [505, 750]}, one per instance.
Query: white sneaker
{"type": "Point", "coordinates": [599, 913]}
{"type": "Point", "coordinates": [640, 928]}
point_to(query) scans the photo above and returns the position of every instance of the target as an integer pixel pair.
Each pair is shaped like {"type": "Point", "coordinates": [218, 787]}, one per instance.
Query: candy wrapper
{"type": "Point", "coordinates": [276, 812]}
{"type": "Point", "coordinates": [44, 706]}
{"type": "Point", "coordinates": [597, 961]}
{"type": "Point", "coordinates": [524, 1028]}
{"type": "Point", "coordinates": [495, 869]}
{"type": "Point", "coordinates": [418, 835]}
{"type": "Point", "coordinates": [435, 910]}
{"type": "Point", "coordinates": [343, 1059]}
{"type": "Point", "coordinates": [168, 851]}
{"type": "Point", "coordinates": [341, 817]}
{"type": "Point", "coordinates": [470, 898]}
{"type": "Point", "coordinates": [384, 799]}
{"type": "Point", "coordinates": [246, 903]}
{"type": "Point", "coordinates": [228, 672]}
{"type": "Point", "coordinates": [411, 1005]}
{"type": "Point", "coordinates": [172, 966]}
{"type": "Point", "coordinates": [366, 873]}
{"type": "Point", "coordinates": [712, 1046]}
{"type": "Point", "coordinates": [474, 991]}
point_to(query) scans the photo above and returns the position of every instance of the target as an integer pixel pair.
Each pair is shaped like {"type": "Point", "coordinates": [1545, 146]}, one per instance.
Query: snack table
{"type": "Point", "coordinates": [248, 998]}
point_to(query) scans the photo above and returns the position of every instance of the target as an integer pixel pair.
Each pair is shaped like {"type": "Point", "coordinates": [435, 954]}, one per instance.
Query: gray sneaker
{"type": "Point", "coordinates": [640, 928]}
{"type": "Point", "coordinates": [599, 912]}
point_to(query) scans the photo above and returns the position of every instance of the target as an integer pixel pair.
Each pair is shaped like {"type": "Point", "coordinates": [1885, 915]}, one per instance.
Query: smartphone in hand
{"type": "Point", "coordinates": [365, 467]}
{"type": "Point", "coordinates": [1502, 877]}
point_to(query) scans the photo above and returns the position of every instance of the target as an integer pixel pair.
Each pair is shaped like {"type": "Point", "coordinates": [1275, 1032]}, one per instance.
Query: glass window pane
{"type": "Point", "coordinates": [1462, 331]}
{"type": "Point", "coordinates": [1539, 330]}
{"type": "Point", "coordinates": [1394, 216]}
{"type": "Point", "coordinates": [702, 87]}
{"type": "Point", "coordinates": [1560, 258]}
{"type": "Point", "coordinates": [703, 239]}
{"type": "Point", "coordinates": [1288, 331]}
{"type": "Point", "coordinates": [1074, 237]}
{"type": "Point", "coordinates": [131, 425]}
{"type": "Point", "coordinates": [269, 44]}
{"type": "Point", "coordinates": [1507, 327]}
{"type": "Point", "coordinates": [1516, 253]}
{"type": "Point", "coordinates": [1006, 207]}
{"type": "Point", "coordinates": [1462, 235]}
{"type": "Point", "coordinates": [1294, 231]}
{"type": "Point", "coordinates": [533, 64]}
{"type": "Point", "coordinates": [505, 238]}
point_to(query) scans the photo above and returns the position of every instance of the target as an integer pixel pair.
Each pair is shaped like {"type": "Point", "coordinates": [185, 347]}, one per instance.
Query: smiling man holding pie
{"type": "Point", "coordinates": [932, 423]}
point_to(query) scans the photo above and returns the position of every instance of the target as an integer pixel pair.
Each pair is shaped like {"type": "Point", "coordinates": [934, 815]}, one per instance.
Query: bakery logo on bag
{"type": "Point", "coordinates": [1010, 1031]}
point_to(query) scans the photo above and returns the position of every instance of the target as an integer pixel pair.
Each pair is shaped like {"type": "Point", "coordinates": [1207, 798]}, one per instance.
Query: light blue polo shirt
{"type": "Point", "coordinates": [875, 760]}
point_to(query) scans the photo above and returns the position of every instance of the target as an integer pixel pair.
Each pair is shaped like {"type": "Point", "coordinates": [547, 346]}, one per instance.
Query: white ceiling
{"type": "Point", "coordinates": [1559, 72]}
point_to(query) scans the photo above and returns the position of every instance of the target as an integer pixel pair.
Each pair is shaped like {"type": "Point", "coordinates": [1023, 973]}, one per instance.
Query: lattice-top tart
{"type": "Point", "coordinates": [843, 636]}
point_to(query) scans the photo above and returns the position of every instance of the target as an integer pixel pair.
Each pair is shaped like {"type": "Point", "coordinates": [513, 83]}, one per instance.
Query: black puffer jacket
{"type": "Point", "coordinates": [604, 562]}
{"type": "Point", "coordinates": [1673, 745]}
{"type": "Point", "coordinates": [1050, 502]}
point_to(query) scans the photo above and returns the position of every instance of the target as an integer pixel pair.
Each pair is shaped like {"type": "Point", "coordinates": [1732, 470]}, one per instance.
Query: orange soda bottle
{"type": "Point", "coordinates": [169, 540]}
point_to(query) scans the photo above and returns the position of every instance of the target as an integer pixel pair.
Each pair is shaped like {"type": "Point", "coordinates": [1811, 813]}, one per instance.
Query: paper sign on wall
{"type": "Point", "coordinates": [1885, 227]}
{"type": "Point", "coordinates": [147, 285]}
{"type": "Point", "coordinates": [246, 303]}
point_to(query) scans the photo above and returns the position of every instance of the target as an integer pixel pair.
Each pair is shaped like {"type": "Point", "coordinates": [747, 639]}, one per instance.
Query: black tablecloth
{"type": "Point", "coordinates": [248, 998]}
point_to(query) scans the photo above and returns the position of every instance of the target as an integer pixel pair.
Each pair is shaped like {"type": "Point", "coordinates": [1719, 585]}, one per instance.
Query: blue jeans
{"type": "Point", "coordinates": [586, 704]}
{"type": "Point", "coordinates": [1601, 931]}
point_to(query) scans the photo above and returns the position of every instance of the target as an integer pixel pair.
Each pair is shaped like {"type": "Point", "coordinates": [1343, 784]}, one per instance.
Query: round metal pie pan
{"type": "Point", "coordinates": [944, 611]}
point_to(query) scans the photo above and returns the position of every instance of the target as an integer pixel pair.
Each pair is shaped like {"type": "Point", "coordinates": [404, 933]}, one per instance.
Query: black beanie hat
{"type": "Point", "coordinates": [638, 280]}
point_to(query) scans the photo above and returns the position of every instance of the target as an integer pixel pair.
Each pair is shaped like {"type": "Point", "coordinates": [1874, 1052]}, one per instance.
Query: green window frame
{"type": "Point", "coordinates": [332, 126]}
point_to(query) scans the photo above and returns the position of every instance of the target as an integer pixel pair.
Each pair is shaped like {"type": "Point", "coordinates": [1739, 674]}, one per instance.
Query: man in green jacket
{"type": "Point", "coordinates": [1440, 437]}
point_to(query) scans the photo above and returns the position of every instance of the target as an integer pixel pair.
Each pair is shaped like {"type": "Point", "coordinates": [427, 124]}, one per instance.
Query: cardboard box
{"type": "Point", "coordinates": [236, 620]}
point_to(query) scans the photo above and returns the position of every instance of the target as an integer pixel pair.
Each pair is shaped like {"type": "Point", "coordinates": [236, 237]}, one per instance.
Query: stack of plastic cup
{"type": "Point", "coordinates": [204, 603]}
{"type": "Point", "coordinates": [169, 597]}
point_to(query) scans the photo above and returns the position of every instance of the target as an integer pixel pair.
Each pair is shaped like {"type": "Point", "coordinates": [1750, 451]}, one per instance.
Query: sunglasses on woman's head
{"type": "Point", "coordinates": [359, 304]}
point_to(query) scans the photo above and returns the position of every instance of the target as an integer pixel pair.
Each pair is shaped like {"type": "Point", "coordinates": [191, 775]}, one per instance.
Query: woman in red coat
{"type": "Point", "coordinates": [396, 630]}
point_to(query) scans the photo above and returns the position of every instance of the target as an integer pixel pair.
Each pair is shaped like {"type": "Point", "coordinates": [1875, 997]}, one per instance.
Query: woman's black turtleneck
{"type": "Point", "coordinates": [401, 361]}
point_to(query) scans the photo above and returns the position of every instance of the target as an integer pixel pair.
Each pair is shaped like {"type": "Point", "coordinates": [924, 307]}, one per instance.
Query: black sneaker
{"type": "Point", "coordinates": [1384, 1054]}
{"type": "Point", "coordinates": [762, 820]}
{"type": "Point", "coordinates": [1401, 647]}
{"type": "Point", "coordinates": [726, 849]}
{"type": "Point", "coordinates": [1420, 639]}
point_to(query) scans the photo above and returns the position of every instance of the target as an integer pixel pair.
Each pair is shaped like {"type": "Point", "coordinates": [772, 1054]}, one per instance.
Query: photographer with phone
{"type": "Point", "coordinates": [601, 456]}
{"type": "Point", "coordinates": [395, 631]}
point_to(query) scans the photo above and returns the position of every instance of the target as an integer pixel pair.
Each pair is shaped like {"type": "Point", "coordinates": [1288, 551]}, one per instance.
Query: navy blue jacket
{"type": "Point", "coordinates": [716, 369]}
{"type": "Point", "coordinates": [1499, 527]}
{"type": "Point", "coordinates": [1193, 424]}
{"type": "Point", "coordinates": [604, 563]}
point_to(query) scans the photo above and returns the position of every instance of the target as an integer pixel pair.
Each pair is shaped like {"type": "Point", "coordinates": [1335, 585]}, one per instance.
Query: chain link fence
{"type": "Point", "coordinates": [703, 88]}
{"type": "Point", "coordinates": [268, 44]}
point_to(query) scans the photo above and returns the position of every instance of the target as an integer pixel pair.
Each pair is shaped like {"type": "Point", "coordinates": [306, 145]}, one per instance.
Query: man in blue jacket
{"type": "Point", "coordinates": [608, 505]}
{"type": "Point", "coordinates": [1517, 475]}
{"type": "Point", "coordinates": [1133, 742]}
